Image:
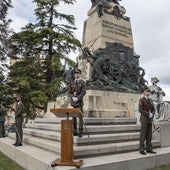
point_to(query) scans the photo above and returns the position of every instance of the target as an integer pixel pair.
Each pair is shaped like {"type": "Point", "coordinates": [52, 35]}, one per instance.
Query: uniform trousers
{"type": "Point", "coordinates": [2, 129]}
{"type": "Point", "coordinates": [19, 132]}
{"type": "Point", "coordinates": [80, 128]}
{"type": "Point", "coordinates": [145, 135]}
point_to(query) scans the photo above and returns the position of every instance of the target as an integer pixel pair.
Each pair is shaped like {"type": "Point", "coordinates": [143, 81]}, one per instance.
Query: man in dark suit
{"type": "Point", "coordinates": [146, 108]}
{"type": "Point", "coordinates": [76, 92]}
{"type": "Point", "coordinates": [3, 111]}
{"type": "Point", "coordinates": [20, 109]}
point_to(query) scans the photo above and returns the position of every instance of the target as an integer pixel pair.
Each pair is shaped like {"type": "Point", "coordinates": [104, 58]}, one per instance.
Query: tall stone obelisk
{"type": "Point", "coordinates": [108, 95]}
{"type": "Point", "coordinates": [109, 27]}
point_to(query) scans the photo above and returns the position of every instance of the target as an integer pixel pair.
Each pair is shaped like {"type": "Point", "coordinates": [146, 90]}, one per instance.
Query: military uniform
{"type": "Point", "coordinates": [146, 106]}
{"type": "Point", "coordinates": [77, 89]}
{"type": "Point", "coordinates": [3, 111]}
{"type": "Point", "coordinates": [18, 122]}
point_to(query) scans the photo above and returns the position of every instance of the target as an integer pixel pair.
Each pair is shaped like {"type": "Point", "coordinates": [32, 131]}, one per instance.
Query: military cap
{"type": "Point", "coordinates": [146, 90]}
{"type": "Point", "coordinates": [77, 71]}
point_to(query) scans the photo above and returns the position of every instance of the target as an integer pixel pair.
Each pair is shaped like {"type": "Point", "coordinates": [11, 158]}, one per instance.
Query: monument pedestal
{"type": "Point", "coordinates": [162, 134]}
{"type": "Point", "coordinates": [109, 104]}
{"type": "Point", "coordinates": [103, 104]}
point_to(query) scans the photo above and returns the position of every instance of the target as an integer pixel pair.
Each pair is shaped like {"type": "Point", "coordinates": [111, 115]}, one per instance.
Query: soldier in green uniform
{"type": "Point", "coordinates": [146, 108]}
{"type": "Point", "coordinates": [3, 111]}
{"type": "Point", "coordinates": [77, 90]}
{"type": "Point", "coordinates": [20, 109]}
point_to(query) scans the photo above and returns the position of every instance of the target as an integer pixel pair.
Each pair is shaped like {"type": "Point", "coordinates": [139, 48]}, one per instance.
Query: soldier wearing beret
{"type": "Point", "coordinates": [146, 108]}
{"type": "Point", "coordinates": [77, 90]}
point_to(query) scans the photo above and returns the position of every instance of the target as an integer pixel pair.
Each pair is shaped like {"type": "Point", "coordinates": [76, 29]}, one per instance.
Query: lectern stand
{"type": "Point", "coordinates": [66, 137]}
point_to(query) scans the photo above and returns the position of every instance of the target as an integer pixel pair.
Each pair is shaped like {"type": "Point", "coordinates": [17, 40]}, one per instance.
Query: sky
{"type": "Point", "coordinates": [150, 21]}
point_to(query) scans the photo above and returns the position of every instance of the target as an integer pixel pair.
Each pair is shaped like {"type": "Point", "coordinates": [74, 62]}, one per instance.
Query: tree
{"type": "Point", "coordinates": [43, 48]}
{"type": "Point", "coordinates": [4, 29]}
{"type": "Point", "coordinates": [4, 42]}
{"type": "Point", "coordinates": [25, 82]}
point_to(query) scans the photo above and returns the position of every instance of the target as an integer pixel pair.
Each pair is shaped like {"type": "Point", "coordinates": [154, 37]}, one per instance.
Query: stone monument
{"type": "Point", "coordinates": [108, 63]}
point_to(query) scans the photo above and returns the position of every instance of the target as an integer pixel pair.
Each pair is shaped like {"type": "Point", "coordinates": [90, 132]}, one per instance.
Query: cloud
{"type": "Point", "coordinates": [22, 13]}
{"type": "Point", "coordinates": [150, 28]}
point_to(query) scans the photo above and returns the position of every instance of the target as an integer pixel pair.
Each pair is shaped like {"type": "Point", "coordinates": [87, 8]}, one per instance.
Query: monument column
{"type": "Point", "coordinates": [109, 27]}
{"type": "Point", "coordinates": [104, 26]}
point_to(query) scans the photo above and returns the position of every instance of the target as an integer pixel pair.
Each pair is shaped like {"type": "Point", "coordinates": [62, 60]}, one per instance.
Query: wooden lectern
{"type": "Point", "coordinates": [66, 137]}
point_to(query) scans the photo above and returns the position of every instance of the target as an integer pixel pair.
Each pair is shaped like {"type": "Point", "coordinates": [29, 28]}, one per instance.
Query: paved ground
{"type": "Point", "coordinates": [28, 156]}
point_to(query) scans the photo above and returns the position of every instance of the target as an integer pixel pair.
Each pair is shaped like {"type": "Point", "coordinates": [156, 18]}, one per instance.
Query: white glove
{"type": "Point", "coordinates": [150, 115]}
{"type": "Point", "coordinates": [75, 99]}
{"type": "Point", "coordinates": [13, 116]}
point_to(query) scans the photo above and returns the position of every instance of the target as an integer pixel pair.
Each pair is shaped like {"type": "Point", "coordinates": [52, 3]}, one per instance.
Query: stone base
{"type": "Point", "coordinates": [108, 104]}
{"type": "Point", "coordinates": [162, 134]}
{"type": "Point", "coordinates": [102, 104]}
{"type": "Point", "coordinates": [62, 101]}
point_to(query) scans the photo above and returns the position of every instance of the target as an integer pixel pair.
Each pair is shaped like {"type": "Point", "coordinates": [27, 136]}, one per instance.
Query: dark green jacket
{"type": "Point", "coordinates": [20, 110]}
{"type": "Point", "coordinates": [146, 106]}
{"type": "Point", "coordinates": [77, 90]}
{"type": "Point", "coordinates": [3, 111]}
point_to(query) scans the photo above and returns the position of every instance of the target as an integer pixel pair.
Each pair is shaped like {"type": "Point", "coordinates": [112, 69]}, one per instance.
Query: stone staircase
{"type": "Point", "coordinates": [105, 136]}
{"type": "Point", "coordinates": [112, 144]}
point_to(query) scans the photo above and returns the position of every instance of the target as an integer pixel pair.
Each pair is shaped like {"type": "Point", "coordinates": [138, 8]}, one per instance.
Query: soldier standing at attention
{"type": "Point", "coordinates": [20, 109]}
{"type": "Point", "coordinates": [146, 108]}
{"type": "Point", "coordinates": [77, 90]}
{"type": "Point", "coordinates": [3, 111]}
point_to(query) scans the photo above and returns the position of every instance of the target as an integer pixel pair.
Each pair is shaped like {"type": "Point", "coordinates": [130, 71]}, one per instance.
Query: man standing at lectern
{"type": "Point", "coordinates": [77, 90]}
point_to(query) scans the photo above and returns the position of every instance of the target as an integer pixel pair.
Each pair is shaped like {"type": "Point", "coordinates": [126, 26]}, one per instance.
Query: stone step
{"type": "Point", "coordinates": [44, 126]}
{"type": "Point", "coordinates": [33, 158]}
{"type": "Point", "coordinates": [91, 121]}
{"type": "Point", "coordinates": [90, 129]}
{"type": "Point", "coordinates": [93, 139]}
{"type": "Point", "coordinates": [85, 140]}
{"type": "Point", "coordinates": [106, 149]}
{"type": "Point", "coordinates": [106, 129]}
{"type": "Point", "coordinates": [87, 150]}
{"type": "Point", "coordinates": [106, 139]}
{"type": "Point", "coordinates": [28, 156]}
{"type": "Point", "coordinates": [43, 143]}
{"type": "Point", "coordinates": [48, 120]}
{"type": "Point", "coordinates": [53, 135]}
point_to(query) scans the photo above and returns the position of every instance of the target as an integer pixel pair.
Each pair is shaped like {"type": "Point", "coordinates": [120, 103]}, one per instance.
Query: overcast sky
{"type": "Point", "coordinates": [150, 20]}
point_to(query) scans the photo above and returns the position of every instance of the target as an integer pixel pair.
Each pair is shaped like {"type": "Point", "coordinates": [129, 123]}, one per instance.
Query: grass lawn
{"type": "Point", "coordinates": [167, 167]}
{"type": "Point", "coordinates": [8, 164]}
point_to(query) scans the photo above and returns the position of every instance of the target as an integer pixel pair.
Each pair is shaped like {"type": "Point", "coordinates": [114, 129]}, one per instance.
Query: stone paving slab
{"type": "Point", "coordinates": [33, 158]}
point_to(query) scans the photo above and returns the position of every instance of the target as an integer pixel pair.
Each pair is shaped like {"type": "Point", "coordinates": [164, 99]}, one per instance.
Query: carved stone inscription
{"type": "Point", "coordinates": [83, 67]}
{"type": "Point", "coordinates": [117, 29]}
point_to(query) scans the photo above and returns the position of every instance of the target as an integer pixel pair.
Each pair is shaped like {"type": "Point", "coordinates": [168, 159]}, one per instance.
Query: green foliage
{"type": "Point", "coordinates": [26, 80]}
{"type": "Point", "coordinates": [4, 50]}
{"type": "Point", "coordinates": [4, 34]}
{"type": "Point", "coordinates": [40, 50]}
